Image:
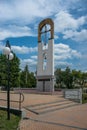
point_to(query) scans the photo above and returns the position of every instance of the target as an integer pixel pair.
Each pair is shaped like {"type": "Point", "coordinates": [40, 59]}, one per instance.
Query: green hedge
{"type": "Point", "coordinates": [84, 98]}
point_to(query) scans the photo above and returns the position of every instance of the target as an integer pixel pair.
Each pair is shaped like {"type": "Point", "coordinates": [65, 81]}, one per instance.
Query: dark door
{"type": "Point", "coordinates": [43, 86]}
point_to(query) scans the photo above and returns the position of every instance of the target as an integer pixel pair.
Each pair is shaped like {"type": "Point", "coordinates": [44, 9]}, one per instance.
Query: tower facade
{"type": "Point", "coordinates": [45, 64]}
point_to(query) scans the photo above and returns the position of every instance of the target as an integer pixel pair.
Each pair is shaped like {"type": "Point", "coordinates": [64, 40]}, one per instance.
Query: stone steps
{"type": "Point", "coordinates": [51, 106]}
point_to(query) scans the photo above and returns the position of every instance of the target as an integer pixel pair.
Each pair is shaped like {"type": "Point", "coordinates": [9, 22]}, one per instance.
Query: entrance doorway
{"type": "Point", "coordinates": [43, 86]}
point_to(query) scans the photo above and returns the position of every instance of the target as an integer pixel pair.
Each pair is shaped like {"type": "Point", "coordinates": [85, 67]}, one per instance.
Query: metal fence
{"type": "Point", "coordinates": [16, 99]}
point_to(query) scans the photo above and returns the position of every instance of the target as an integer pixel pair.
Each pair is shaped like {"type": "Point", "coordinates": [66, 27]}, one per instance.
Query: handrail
{"type": "Point", "coordinates": [21, 98]}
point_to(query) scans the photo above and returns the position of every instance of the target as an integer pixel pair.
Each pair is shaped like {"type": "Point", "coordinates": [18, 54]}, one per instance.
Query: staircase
{"type": "Point", "coordinates": [51, 106]}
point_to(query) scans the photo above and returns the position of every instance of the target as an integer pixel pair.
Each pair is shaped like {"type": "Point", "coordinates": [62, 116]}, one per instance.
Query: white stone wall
{"type": "Point", "coordinates": [40, 61]}
{"type": "Point", "coordinates": [50, 59]}
{"type": "Point", "coordinates": [75, 94]}
{"type": "Point", "coordinates": [40, 85]}
{"type": "Point", "coordinates": [48, 73]}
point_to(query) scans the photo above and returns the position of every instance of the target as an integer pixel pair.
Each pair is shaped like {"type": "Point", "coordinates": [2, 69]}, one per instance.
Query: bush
{"type": "Point", "coordinates": [84, 98]}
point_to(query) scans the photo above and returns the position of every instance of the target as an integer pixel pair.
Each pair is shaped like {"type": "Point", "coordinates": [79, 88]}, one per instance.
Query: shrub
{"type": "Point", "coordinates": [84, 98]}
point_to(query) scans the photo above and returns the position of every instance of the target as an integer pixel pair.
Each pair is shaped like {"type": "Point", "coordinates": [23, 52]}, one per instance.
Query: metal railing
{"type": "Point", "coordinates": [19, 100]}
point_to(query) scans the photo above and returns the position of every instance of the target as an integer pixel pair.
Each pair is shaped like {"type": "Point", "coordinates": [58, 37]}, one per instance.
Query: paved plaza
{"type": "Point", "coordinates": [51, 112]}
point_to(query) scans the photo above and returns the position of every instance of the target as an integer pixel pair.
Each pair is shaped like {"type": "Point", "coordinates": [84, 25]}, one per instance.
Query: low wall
{"type": "Point", "coordinates": [12, 110]}
{"type": "Point", "coordinates": [15, 111]}
{"type": "Point", "coordinates": [73, 94]}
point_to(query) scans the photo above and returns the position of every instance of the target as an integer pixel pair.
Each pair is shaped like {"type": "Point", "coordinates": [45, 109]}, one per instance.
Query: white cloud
{"type": "Point", "coordinates": [61, 48]}
{"type": "Point", "coordinates": [64, 52]}
{"type": "Point", "coordinates": [80, 36]}
{"type": "Point", "coordinates": [64, 55]}
{"type": "Point", "coordinates": [1, 46]}
{"type": "Point", "coordinates": [22, 13]}
{"type": "Point", "coordinates": [64, 21]}
{"type": "Point", "coordinates": [21, 18]}
{"type": "Point", "coordinates": [30, 62]}
{"type": "Point", "coordinates": [34, 57]}
{"type": "Point", "coordinates": [62, 64]}
{"type": "Point", "coordinates": [15, 31]}
{"type": "Point", "coordinates": [26, 11]}
{"type": "Point", "coordinates": [61, 51]}
{"type": "Point", "coordinates": [56, 36]}
{"type": "Point", "coordinates": [24, 49]}
{"type": "Point", "coordinates": [66, 24]}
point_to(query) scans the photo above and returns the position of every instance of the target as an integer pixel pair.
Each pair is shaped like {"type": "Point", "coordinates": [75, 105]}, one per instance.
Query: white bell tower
{"type": "Point", "coordinates": [45, 64]}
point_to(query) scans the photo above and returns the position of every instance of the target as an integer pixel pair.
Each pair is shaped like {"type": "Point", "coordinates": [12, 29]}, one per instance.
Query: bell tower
{"type": "Point", "coordinates": [45, 64]}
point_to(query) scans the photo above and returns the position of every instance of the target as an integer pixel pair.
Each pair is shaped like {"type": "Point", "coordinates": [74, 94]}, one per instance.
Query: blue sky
{"type": "Point", "coordinates": [19, 21]}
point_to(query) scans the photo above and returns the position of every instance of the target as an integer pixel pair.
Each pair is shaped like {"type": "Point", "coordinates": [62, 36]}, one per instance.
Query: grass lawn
{"type": "Point", "coordinates": [11, 124]}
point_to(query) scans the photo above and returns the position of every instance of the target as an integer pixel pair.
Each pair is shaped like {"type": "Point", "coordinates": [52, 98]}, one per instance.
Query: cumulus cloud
{"type": "Point", "coordinates": [64, 52]}
{"type": "Point", "coordinates": [61, 51]}
{"type": "Point", "coordinates": [30, 62]}
{"type": "Point", "coordinates": [70, 27]}
{"type": "Point", "coordinates": [34, 57]}
{"type": "Point", "coordinates": [17, 16]}
{"type": "Point", "coordinates": [21, 18]}
{"type": "Point", "coordinates": [62, 64]}
{"type": "Point", "coordinates": [64, 55]}
{"type": "Point", "coordinates": [56, 37]}
{"type": "Point", "coordinates": [24, 49]}
{"type": "Point", "coordinates": [1, 46]}
{"type": "Point", "coordinates": [80, 36]}
{"type": "Point", "coordinates": [25, 11]}
{"type": "Point", "coordinates": [15, 31]}
{"type": "Point", "coordinates": [64, 20]}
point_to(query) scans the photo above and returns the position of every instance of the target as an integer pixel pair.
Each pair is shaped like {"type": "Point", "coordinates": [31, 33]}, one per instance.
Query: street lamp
{"type": "Point", "coordinates": [10, 56]}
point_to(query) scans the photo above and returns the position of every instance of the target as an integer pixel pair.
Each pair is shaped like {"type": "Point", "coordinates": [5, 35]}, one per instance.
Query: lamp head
{"type": "Point", "coordinates": [6, 50]}
{"type": "Point", "coordinates": [11, 56]}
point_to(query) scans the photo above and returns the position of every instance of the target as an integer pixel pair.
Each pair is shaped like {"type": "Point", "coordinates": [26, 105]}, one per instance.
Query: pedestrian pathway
{"type": "Point", "coordinates": [51, 112]}
{"type": "Point", "coordinates": [71, 118]}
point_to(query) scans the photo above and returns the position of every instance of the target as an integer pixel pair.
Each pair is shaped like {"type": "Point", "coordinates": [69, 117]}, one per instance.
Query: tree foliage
{"type": "Point", "coordinates": [17, 78]}
{"type": "Point", "coordinates": [70, 78]}
{"type": "Point", "coordinates": [10, 68]}
{"type": "Point", "coordinates": [27, 79]}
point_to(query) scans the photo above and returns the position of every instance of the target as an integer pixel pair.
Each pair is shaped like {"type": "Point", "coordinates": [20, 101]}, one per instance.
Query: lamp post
{"type": "Point", "coordinates": [10, 56]}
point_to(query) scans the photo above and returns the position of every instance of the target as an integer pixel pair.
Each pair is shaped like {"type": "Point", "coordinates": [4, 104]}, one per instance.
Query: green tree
{"type": "Point", "coordinates": [64, 78]}
{"type": "Point", "coordinates": [3, 70]}
{"type": "Point", "coordinates": [59, 77]}
{"type": "Point", "coordinates": [27, 79]}
{"type": "Point", "coordinates": [68, 78]}
{"type": "Point", "coordinates": [13, 71]}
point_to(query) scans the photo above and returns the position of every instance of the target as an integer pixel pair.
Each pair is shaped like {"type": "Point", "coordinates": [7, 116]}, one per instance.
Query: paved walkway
{"type": "Point", "coordinates": [53, 113]}
{"type": "Point", "coordinates": [68, 118]}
